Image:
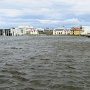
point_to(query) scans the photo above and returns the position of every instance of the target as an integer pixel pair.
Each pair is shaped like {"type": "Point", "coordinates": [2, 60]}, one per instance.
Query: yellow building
{"type": "Point", "coordinates": [76, 31]}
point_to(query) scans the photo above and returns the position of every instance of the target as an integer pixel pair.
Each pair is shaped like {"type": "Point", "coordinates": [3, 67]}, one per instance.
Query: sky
{"type": "Point", "coordinates": [44, 13]}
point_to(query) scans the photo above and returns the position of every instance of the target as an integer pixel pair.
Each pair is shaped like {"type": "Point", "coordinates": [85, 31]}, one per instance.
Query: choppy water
{"type": "Point", "coordinates": [44, 63]}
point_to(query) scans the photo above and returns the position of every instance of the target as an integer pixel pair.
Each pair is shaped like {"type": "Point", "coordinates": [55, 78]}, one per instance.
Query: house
{"type": "Point", "coordinates": [76, 31]}
{"type": "Point", "coordinates": [31, 31]}
{"type": "Point", "coordinates": [60, 31]}
{"type": "Point", "coordinates": [85, 30]}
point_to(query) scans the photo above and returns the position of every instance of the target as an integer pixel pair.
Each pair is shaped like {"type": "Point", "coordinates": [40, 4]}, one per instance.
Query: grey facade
{"type": "Point", "coordinates": [5, 32]}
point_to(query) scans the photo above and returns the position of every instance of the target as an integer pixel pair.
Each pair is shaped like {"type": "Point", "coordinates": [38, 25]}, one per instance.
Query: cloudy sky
{"type": "Point", "coordinates": [44, 13]}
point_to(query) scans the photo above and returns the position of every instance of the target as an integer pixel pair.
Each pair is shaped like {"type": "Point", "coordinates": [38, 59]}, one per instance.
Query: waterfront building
{"type": "Point", "coordinates": [76, 31]}
{"type": "Point", "coordinates": [48, 31]}
{"type": "Point", "coordinates": [85, 30]}
{"type": "Point", "coordinates": [32, 31]}
{"type": "Point", "coordinates": [40, 31]}
{"type": "Point", "coordinates": [61, 31]}
{"type": "Point", "coordinates": [18, 31]}
{"type": "Point", "coordinates": [5, 32]}
{"type": "Point", "coordinates": [23, 30]}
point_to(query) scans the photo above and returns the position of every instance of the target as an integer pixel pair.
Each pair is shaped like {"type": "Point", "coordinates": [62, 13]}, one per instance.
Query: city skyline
{"type": "Point", "coordinates": [44, 13]}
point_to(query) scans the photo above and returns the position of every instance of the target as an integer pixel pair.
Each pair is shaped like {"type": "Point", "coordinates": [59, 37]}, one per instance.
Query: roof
{"type": "Point", "coordinates": [59, 29]}
{"type": "Point", "coordinates": [76, 28]}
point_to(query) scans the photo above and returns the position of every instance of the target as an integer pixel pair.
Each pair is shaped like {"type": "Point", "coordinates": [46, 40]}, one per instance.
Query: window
{"type": "Point", "coordinates": [21, 31]}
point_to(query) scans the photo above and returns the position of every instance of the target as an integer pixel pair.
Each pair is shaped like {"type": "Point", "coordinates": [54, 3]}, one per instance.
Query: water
{"type": "Point", "coordinates": [44, 63]}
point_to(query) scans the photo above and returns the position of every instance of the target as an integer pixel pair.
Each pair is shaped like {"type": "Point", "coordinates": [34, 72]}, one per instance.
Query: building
{"type": "Point", "coordinates": [32, 31]}
{"type": "Point", "coordinates": [40, 31]}
{"type": "Point", "coordinates": [48, 31]}
{"type": "Point", "coordinates": [85, 30]}
{"type": "Point", "coordinates": [5, 32]}
{"type": "Point", "coordinates": [21, 30]}
{"type": "Point", "coordinates": [61, 31]}
{"type": "Point", "coordinates": [76, 31]}
{"type": "Point", "coordinates": [24, 30]}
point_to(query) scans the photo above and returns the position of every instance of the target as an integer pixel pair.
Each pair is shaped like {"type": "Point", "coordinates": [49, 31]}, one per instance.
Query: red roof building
{"type": "Point", "coordinates": [76, 30]}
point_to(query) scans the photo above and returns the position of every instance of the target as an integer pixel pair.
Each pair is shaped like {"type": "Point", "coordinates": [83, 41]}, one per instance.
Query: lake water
{"type": "Point", "coordinates": [44, 63]}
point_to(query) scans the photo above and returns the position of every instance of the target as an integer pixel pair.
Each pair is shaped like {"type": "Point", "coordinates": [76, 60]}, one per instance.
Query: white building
{"type": "Point", "coordinates": [61, 31]}
{"type": "Point", "coordinates": [32, 31]}
{"type": "Point", "coordinates": [23, 30]}
{"type": "Point", "coordinates": [85, 30]}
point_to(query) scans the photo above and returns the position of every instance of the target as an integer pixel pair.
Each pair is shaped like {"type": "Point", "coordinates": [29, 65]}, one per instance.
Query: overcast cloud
{"type": "Point", "coordinates": [44, 13]}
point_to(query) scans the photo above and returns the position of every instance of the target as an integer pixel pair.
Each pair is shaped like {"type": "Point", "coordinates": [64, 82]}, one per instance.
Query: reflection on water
{"type": "Point", "coordinates": [44, 63]}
